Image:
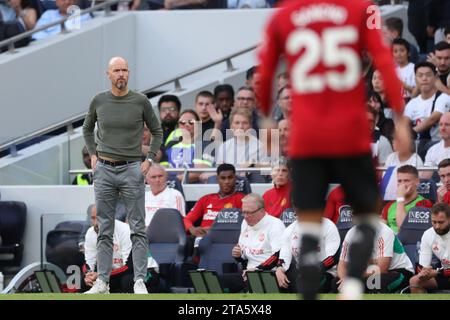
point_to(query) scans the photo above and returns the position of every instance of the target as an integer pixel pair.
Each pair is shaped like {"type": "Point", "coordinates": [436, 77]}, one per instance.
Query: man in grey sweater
{"type": "Point", "coordinates": [115, 149]}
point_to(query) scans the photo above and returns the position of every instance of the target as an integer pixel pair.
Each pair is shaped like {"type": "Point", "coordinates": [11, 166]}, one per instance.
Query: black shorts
{"type": "Point", "coordinates": [312, 176]}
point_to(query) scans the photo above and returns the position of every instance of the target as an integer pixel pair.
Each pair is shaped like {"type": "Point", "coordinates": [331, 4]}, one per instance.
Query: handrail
{"type": "Point", "coordinates": [10, 41]}
{"type": "Point", "coordinates": [227, 59]}
{"type": "Point", "coordinates": [176, 80]}
{"type": "Point", "coordinates": [269, 169]}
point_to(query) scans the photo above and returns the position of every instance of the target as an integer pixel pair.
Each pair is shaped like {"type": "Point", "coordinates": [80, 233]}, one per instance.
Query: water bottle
{"type": "Point", "coordinates": [1, 281]}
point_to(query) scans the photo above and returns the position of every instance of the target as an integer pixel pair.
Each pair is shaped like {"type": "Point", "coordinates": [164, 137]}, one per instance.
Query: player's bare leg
{"type": "Point", "coordinates": [309, 271]}
{"type": "Point", "coordinates": [360, 251]}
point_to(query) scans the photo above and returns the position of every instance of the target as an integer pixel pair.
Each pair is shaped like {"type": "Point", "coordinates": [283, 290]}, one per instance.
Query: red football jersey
{"type": "Point", "coordinates": [322, 42]}
{"type": "Point", "coordinates": [207, 208]}
{"type": "Point", "coordinates": [335, 201]}
{"type": "Point", "coordinates": [276, 200]}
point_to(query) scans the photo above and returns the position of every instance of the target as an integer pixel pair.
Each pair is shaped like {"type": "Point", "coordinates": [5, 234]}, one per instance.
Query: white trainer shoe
{"type": "Point", "coordinates": [99, 287]}
{"type": "Point", "coordinates": [139, 287]}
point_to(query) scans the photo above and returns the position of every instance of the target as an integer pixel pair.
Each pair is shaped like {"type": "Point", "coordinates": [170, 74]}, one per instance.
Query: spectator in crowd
{"type": "Point", "coordinates": [286, 271]}
{"type": "Point", "coordinates": [443, 194]}
{"type": "Point", "coordinates": [278, 198]}
{"type": "Point", "coordinates": [243, 149]}
{"type": "Point", "coordinates": [210, 117]}
{"type": "Point", "coordinates": [252, 78]}
{"type": "Point", "coordinates": [388, 261]}
{"type": "Point", "coordinates": [441, 60]}
{"type": "Point", "coordinates": [169, 107]}
{"type": "Point", "coordinates": [435, 241]}
{"type": "Point", "coordinates": [245, 98]}
{"type": "Point", "coordinates": [283, 135]}
{"type": "Point", "coordinates": [83, 179]}
{"type": "Point", "coordinates": [394, 212]}
{"type": "Point", "coordinates": [381, 147]}
{"type": "Point", "coordinates": [425, 110]}
{"type": "Point", "coordinates": [248, 4]}
{"type": "Point", "coordinates": [224, 98]}
{"type": "Point", "coordinates": [282, 80]}
{"type": "Point", "coordinates": [440, 150]}
{"type": "Point", "coordinates": [19, 11]}
{"type": "Point", "coordinates": [53, 15]}
{"type": "Point", "coordinates": [385, 125]}
{"type": "Point", "coordinates": [208, 206]}
{"type": "Point", "coordinates": [438, 18]}
{"type": "Point", "coordinates": [393, 29]}
{"type": "Point", "coordinates": [160, 195]}
{"type": "Point", "coordinates": [403, 155]}
{"type": "Point", "coordinates": [260, 239]}
{"type": "Point", "coordinates": [447, 34]}
{"type": "Point", "coordinates": [121, 278]}
{"type": "Point", "coordinates": [184, 152]}
{"type": "Point", "coordinates": [188, 4]}
{"type": "Point", "coordinates": [378, 87]}
{"type": "Point", "coordinates": [284, 102]}
{"type": "Point", "coordinates": [405, 69]}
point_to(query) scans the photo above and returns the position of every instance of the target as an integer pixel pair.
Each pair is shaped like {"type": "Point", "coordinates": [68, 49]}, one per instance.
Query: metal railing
{"type": "Point", "coordinates": [105, 5]}
{"type": "Point", "coordinates": [227, 60]}
{"type": "Point", "coordinates": [261, 169]}
{"type": "Point", "coordinates": [176, 80]}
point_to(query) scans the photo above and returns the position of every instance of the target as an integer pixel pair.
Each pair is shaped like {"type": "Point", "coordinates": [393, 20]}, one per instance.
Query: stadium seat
{"type": "Point", "coordinates": [427, 188]}
{"type": "Point", "coordinates": [13, 217]}
{"type": "Point", "coordinates": [242, 184]}
{"type": "Point", "coordinates": [417, 221]}
{"type": "Point", "coordinates": [62, 245]}
{"type": "Point", "coordinates": [167, 243]}
{"type": "Point", "coordinates": [174, 183]}
{"type": "Point", "coordinates": [288, 216]}
{"type": "Point", "coordinates": [215, 248]}
{"type": "Point", "coordinates": [345, 221]}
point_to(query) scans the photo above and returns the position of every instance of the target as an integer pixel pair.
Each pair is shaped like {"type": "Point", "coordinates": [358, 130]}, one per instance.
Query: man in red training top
{"type": "Point", "coordinates": [322, 42]}
{"type": "Point", "coordinates": [207, 207]}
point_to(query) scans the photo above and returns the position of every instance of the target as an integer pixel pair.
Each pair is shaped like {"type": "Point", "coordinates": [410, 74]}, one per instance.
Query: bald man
{"type": "Point", "coordinates": [120, 114]}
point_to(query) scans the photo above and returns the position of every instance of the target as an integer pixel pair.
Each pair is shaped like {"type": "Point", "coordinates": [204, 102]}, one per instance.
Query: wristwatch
{"type": "Point", "coordinates": [150, 160]}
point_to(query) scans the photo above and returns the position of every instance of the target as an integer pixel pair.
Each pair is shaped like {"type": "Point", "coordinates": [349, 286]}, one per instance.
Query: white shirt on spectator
{"type": "Point", "coordinates": [239, 152]}
{"type": "Point", "coordinates": [121, 245]}
{"type": "Point", "coordinates": [393, 160]}
{"type": "Point", "coordinates": [381, 149]}
{"type": "Point", "coordinates": [432, 243]}
{"type": "Point", "coordinates": [260, 241]}
{"type": "Point", "coordinates": [408, 76]}
{"type": "Point", "coordinates": [386, 244]}
{"type": "Point", "coordinates": [436, 154]}
{"type": "Point", "coordinates": [168, 198]}
{"type": "Point", "coordinates": [419, 109]}
{"type": "Point", "coordinates": [329, 243]}
{"type": "Point", "coordinates": [53, 15]}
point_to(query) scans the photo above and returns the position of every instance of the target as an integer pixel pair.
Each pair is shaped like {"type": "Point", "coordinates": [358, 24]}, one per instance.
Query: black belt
{"type": "Point", "coordinates": [115, 163]}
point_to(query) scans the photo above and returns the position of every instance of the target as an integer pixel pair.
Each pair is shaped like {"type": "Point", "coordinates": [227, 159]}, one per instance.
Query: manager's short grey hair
{"type": "Point", "coordinates": [254, 197]}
